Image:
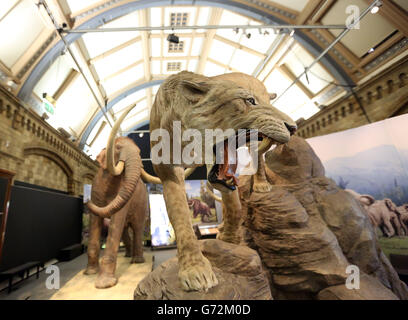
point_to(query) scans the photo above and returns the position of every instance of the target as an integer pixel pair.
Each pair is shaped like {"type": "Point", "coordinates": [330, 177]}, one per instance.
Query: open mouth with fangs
{"type": "Point", "coordinates": [222, 175]}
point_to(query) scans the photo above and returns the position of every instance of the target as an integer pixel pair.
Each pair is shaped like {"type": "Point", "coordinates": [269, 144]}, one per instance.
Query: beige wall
{"type": "Point", "coordinates": [37, 153]}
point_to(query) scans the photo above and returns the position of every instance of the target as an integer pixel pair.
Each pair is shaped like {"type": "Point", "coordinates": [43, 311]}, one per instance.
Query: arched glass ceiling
{"type": "Point", "coordinates": [114, 63]}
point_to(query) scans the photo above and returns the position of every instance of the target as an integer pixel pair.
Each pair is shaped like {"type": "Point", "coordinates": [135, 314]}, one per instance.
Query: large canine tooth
{"type": "Point", "coordinates": [265, 145]}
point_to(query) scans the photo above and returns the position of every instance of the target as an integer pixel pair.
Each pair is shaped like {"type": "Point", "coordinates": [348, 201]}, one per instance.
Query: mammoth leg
{"type": "Point", "coordinates": [137, 248]}
{"type": "Point", "coordinates": [231, 217]}
{"type": "Point", "coordinates": [388, 228]}
{"type": "Point", "coordinates": [127, 241]}
{"type": "Point", "coordinates": [106, 277]}
{"type": "Point", "coordinates": [94, 244]}
{"type": "Point", "coordinates": [195, 271]}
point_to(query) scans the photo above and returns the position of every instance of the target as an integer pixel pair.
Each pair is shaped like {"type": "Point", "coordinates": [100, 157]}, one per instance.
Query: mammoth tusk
{"type": "Point", "coordinates": [110, 153]}
{"type": "Point", "coordinates": [265, 145]}
{"type": "Point", "coordinates": [148, 178]}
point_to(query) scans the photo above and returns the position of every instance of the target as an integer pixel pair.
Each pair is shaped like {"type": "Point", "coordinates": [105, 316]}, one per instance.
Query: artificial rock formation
{"type": "Point", "coordinates": [307, 231]}
{"type": "Point", "coordinates": [237, 268]}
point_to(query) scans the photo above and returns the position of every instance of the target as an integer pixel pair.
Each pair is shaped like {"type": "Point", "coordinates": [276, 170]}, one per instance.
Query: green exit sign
{"type": "Point", "coordinates": [48, 107]}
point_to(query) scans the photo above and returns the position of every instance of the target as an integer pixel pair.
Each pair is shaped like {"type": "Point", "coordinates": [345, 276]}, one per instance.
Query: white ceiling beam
{"type": "Point", "coordinates": [215, 18]}
{"type": "Point", "coordinates": [144, 22]}
{"type": "Point", "coordinates": [239, 46]}
{"type": "Point", "coordinates": [115, 49]}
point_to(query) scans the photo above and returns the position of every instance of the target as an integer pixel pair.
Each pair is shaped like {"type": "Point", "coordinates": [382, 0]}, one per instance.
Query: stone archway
{"type": "Point", "coordinates": [56, 159]}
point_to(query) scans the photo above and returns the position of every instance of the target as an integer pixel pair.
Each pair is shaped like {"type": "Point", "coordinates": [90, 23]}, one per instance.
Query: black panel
{"type": "Point", "coordinates": [39, 224]}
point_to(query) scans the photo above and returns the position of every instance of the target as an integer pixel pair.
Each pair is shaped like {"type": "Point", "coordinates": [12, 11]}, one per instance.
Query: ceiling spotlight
{"type": "Point", "coordinates": [376, 8]}
{"type": "Point", "coordinates": [141, 134]}
{"type": "Point", "coordinates": [173, 38]}
{"type": "Point", "coordinates": [236, 30]}
{"type": "Point", "coordinates": [371, 50]}
{"type": "Point", "coordinates": [248, 35]}
{"type": "Point", "coordinates": [292, 33]}
{"type": "Point", "coordinates": [266, 32]}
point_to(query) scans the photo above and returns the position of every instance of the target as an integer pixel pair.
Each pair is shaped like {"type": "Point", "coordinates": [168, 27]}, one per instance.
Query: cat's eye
{"type": "Point", "coordinates": [251, 101]}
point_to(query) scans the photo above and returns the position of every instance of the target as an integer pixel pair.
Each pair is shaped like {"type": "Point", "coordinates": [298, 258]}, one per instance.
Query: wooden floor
{"type": "Point", "coordinates": [81, 287]}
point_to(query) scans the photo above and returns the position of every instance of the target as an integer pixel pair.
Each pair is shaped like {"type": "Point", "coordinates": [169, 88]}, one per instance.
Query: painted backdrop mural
{"type": "Point", "coordinates": [371, 163]}
{"type": "Point", "coordinates": [372, 159]}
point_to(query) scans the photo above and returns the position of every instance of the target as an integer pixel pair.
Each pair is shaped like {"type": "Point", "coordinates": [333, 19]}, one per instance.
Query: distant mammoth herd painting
{"type": "Point", "coordinates": [303, 227]}
{"type": "Point", "coordinates": [384, 214]}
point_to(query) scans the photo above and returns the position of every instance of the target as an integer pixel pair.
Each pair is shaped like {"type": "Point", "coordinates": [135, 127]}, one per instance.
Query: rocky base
{"type": "Point", "coordinates": [237, 268]}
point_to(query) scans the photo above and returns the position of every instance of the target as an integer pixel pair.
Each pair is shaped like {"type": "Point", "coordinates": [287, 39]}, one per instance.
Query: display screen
{"type": "Point", "coordinates": [162, 232]}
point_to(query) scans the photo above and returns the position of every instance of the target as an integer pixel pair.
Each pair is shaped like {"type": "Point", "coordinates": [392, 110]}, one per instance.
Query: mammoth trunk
{"type": "Point", "coordinates": [129, 181]}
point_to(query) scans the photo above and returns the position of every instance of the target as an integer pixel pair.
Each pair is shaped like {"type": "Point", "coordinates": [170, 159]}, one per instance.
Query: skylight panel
{"type": "Point", "coordinates": [317, 78]}
{"type": "Point", "coordinates": [258, 41]}
{"type": "Point", "coordinates": [18, 30]}
{"type": "Point", "coordinates": [156, 44]}
{"type": "Point", "coordinates": [244, 61]}
{"type": "Point", "coordinates": [230, 18]}
{"type": "Point", "coordinates": [291, 101]}
{"type": "Point", "coordinates": [119, 60]}
{"type": "Point", "coordinates": [155, 18]}
{"type": "Point", "coordinates": [130, 122]}
{"type": "Point", "coordinates": [55, 75]}
{"type": "Point", "coordinates": [305, 111]}
{"type": "Point", "coordinates": [5, 6]}
{"type": "Point", "coordinates": [204, 16]}
{"type": "Point", "coordinates": [197, 46]}
{"type": "Point", "coordinates": [221, 51]}
{"type": "Point", "coordinates": [75, 106]}
{"type": "Point", "coordinates": [212, 69]}
{"type": "Point", "coordinates": [125, 102]}
{"type": "Point", "coordinates": [192, 65]}
{"type": "Point", "coordinates": [276, 82]}
{"type": "Point", "coordinates": [100, 142]}
{"type": "Point", "coordinates": [98, 43]}
{"type": "Point", "coordinates": [124, 79]}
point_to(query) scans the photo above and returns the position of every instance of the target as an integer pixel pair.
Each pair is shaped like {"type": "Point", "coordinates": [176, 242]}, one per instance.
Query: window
{"type": "Point", "coordinates": [173, 66]}
{"type": "Point", "coordinates": [176, 47]}
{"type": "Point", "coordinates": [178, 18]}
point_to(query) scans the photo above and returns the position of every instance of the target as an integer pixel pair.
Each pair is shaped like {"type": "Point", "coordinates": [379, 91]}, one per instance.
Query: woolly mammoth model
{"type": "Point", "coordinates": [383, 214]}
{"type": "Point", "coordinates": [200, 208]}
{"type": "Point", "coordinates": [118, 193]}
{"type": "Point", "coordinates": [232, 101]}
{"type": "Point", "coordinates": [126, 193]}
